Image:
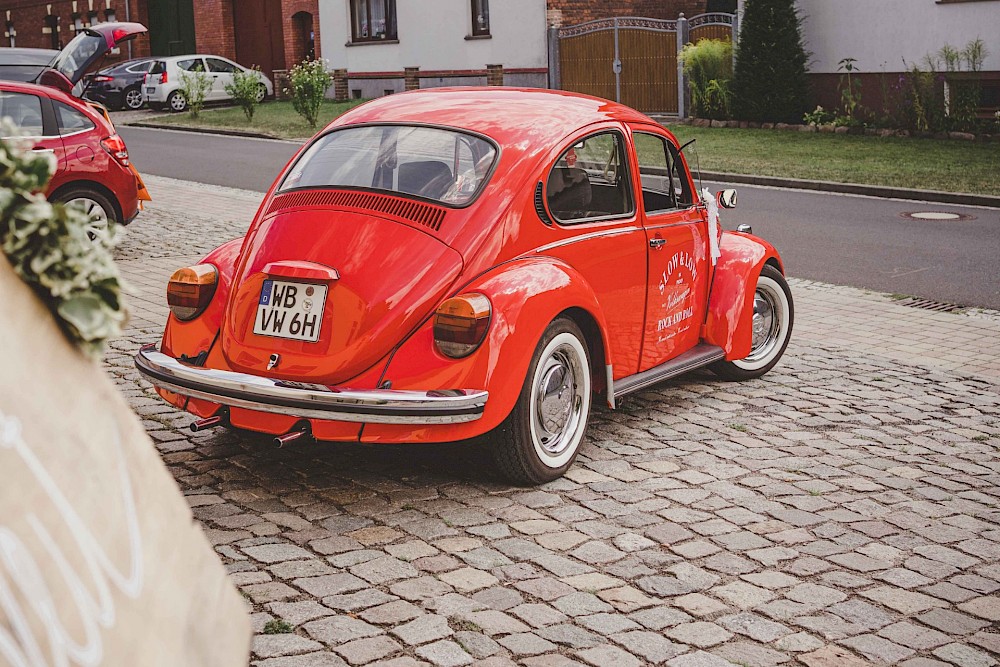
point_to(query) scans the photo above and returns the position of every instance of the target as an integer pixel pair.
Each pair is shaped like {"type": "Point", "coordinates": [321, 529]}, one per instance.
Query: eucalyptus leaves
{"type": "Point", "coordinates": [48, 247]}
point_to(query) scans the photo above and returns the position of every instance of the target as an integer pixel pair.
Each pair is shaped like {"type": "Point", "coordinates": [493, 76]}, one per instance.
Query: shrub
{"type": "Point", "coordinates": [769, 81]}
{"type": "Point", "coordinates": [245, 90]}
{"type": "Point", "coordinates": [309, 80]}
{"type": "Point", "coordinates": [194, 87]}
{"type": "Point", "coordinates": [818, 117]}
{"type": "Point", "coordinates": [49, 249]}
{"type": "Point", "coordinates": [850, 92]}
{"type": "Point", "coordinates": [708, 66]}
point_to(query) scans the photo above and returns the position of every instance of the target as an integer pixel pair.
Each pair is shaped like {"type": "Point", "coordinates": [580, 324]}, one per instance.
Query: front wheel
{"type": "Point", "coordinates": [539, 440]}
{"type": "Point", "coordinates": [773, 314]}
{"type": "Point", "coordinates": [177, 102]}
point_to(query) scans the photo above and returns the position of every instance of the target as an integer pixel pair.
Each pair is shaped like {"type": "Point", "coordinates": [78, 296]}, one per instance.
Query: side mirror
{"type": "Point", "coordinates": [726, 198]}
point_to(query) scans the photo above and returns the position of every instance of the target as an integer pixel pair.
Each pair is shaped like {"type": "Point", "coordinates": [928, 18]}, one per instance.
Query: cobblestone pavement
{"type": "Point", "coordinates": [844, 510]}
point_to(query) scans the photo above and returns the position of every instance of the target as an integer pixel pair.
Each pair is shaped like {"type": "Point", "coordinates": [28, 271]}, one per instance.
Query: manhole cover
{"type": "Point", "coordinates": [937, 216]}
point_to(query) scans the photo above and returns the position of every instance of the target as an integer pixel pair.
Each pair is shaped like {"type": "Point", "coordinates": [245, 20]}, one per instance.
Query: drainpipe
{"type": "Point", "coordinates": [128, 17]}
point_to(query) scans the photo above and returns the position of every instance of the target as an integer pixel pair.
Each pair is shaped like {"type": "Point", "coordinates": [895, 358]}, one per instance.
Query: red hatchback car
{"type": "Point", "coordinates": [92, 163]}
{"type": "Point", "coordinates": [444, 264]}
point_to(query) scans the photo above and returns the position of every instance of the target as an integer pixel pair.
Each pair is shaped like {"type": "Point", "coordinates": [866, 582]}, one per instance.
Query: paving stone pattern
{"type": "Point", "coordinates": [844, 510]}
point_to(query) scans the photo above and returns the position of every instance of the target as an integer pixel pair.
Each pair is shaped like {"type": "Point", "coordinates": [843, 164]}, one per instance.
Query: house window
{"type": "Point", "coordinates": [11, 34]}
{"type": "Point", "coordinates": [373, 20]}
{"type": "Point", "coordinates": [480, 18]}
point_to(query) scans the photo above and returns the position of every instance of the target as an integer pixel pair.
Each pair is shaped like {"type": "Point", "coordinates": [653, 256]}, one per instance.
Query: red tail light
{"type": "Point", "coordinates": [102, 78]}
{"type": "Point", "coordinates": [190, 290]}
{"type": "Point", "coordinates": [460, 324]}
{"type": "Point", "coordinates": [163, 77]}
{"type": "Point", "coordinates": [115, 147]}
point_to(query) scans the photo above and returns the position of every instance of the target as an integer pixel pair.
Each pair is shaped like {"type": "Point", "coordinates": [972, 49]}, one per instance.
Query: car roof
{"type": "Point", "coordinates": [26, 56]}
{"type": "Point", "coordinates": [504, 114]}
{"type": "Point", "coordinates": [192, 55]}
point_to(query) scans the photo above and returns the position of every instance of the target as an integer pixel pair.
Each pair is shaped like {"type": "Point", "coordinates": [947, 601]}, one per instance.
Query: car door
{"type": "Point", "coordinates": [590, 199]}
{"type": "Point", "coordinates": [221, 72]}
{"type": "Point", "coordinates": [34, 119]}
{"type": "Point", "coordinates": [677, 248]}
{"type": "Point", "coordinates": [79, 143]}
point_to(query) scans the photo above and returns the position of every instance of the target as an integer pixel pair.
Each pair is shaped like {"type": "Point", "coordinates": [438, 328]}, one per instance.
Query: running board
{"type": "Point", "coordinates": [700, 355]}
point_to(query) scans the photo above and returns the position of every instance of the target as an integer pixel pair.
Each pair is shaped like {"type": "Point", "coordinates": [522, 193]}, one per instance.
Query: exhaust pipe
{"type": "Point", "coordinates": [211, 422]}
{"type": "Point", "coordinates": [292, 436]}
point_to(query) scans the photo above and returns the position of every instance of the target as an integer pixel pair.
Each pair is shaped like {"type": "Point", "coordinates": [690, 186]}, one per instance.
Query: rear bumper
{"type": "Point", "coordinates": [310, 401]}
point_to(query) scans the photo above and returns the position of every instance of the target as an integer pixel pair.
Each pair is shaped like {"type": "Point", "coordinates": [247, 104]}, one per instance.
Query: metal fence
{"type": "Point", "coordinates": [631, 60]}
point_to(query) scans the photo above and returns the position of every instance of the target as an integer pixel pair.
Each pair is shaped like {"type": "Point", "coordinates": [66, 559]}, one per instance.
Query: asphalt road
{"type": "Point", "coordinates": [841, 239]}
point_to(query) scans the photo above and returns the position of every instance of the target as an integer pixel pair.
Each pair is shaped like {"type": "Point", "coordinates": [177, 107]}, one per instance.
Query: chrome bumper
{"type": "Point", "coordinates": [310, 401]}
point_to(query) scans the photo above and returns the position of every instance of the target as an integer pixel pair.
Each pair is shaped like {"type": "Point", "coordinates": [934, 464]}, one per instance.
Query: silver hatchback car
{"type": "Point", "coordinates": [162, 87]}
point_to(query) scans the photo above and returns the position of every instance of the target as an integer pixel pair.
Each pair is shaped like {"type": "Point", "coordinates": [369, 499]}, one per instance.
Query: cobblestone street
{"type": "Point", "coordinates": [843, 510]}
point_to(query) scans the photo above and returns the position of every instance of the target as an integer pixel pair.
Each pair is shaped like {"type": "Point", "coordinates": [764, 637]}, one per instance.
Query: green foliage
{"type": "Point", "coordinates": [49, 248]}
{"type": "Point", "coordinates": [194, 87]}
{"type": "Point", "coordinates": [277, 626]}
{"type": "Point", "coordinates": [245, 90]}
{"type": "Point", "coordinates": [818, 117]}
{"type": "Point", "coordinates": [769, 82]}
{"type": "Point", "coordinates": [850, 91]}
{"type": "Point", "coordinates": [929, 108]}
{"type": "Point", "coordinates": [309, 80]}
{"type": "Point", "coordinates": [708, 66]}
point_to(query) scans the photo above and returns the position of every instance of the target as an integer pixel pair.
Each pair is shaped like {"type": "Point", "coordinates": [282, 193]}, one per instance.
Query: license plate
{"type": "Point", "coordinates": [290, 310]}
{"type": "Point", "coordinates": [150, 90]}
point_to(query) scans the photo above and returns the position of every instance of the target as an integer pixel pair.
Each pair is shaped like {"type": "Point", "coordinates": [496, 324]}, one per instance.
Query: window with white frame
{"type": "Point", "coordinates": [373, 20]}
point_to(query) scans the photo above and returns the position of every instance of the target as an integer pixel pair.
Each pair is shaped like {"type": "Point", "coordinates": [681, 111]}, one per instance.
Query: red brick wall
{"type": "Point", "coordinates": [570, 12]}
{"type": "Point", "coordinates": [213, 28]}
{"type": "Point", "coordinates": [295, 47]}
{"type": "Point", "coordinates": [28, 17]}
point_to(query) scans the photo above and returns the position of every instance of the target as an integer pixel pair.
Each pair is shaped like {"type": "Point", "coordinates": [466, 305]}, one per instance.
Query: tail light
{"type": "Point", "coordinates": [101, 78]}
{"type": "Point", "coordinates": [461, 323]}
{"type": "Point", "coordinates": [163, 77]}
{"type": "Point", "coordinates": [191, 289]}
{"type": "Point", "coordinates": [115, 146]}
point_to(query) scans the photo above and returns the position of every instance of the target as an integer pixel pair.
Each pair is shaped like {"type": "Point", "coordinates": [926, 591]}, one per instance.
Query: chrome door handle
{"type": "Point", "coordinates": [657, 243]}
{"type": "Point", "coordinates": [42, 150]}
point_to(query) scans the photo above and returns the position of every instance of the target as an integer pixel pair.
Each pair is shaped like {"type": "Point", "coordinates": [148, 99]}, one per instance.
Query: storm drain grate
{"type": "Point", "coordinates": [928, 304]}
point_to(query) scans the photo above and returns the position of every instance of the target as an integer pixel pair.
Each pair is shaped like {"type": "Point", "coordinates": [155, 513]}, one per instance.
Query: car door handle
{"type": "Point", "coordinates": [657, 243]}
{"type": "Point", "coordinates": [42, 150]}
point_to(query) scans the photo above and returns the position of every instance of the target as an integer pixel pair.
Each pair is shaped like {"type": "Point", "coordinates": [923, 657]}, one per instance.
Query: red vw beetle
{"type": "Point", "coordinates": [449, 263]}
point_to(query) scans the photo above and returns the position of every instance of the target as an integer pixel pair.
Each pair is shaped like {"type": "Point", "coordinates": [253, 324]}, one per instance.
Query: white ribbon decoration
{"type": "Point", "coordinates": [713, 225]}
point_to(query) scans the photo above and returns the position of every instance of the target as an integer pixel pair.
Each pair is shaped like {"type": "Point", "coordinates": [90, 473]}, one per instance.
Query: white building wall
{"type": "Point", "coordinates": [880, 34]}
{"type": "Point", "coordinates": [432, 37]}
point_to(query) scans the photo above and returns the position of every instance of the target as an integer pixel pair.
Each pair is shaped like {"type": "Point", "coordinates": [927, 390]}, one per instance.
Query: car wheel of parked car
{"type": "Point", "coordinates": [177, 102]}
{"type": "Point", "coordinates": [261, 93]}
{"type": "Point", "coordinates": [100, 211]}
{"type": "Point", "coordinates": [540, 438]}
{"type": "Point", "coordinates": [132, 99]}
{"type": "Point", "coordinates": [773, 313]}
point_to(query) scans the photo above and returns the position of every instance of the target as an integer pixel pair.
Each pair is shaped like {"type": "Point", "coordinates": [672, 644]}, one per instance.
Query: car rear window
{"type": "Point", "coordinates": [447, 166]}
{"type": "Point", "coordinates": [158, 67]}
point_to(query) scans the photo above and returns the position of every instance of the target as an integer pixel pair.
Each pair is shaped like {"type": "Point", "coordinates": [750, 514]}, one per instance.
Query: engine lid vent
{"type": "Point", "coordinates": [418, 212]}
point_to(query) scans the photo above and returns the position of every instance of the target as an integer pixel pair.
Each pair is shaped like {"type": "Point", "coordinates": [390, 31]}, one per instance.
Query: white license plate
{"type": "Point", "coordinates": [290, 310]}
{"type": "Point", "coordinates": [150, 90]}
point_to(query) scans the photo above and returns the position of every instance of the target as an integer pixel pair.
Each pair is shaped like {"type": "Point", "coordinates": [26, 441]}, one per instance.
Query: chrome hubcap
{"type": "Point", "coordinates": [97, 218]}
{"type": "Point", "coordinates": [558, 398]}
{"type": "Point", "coordinates": [766, 324]}
{"type": "Point", "coordinates": [133, 99]}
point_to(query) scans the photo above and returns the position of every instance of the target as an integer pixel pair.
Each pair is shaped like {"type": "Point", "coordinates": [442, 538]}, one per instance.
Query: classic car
{"type": "Point", "coordinates": [445, 264]}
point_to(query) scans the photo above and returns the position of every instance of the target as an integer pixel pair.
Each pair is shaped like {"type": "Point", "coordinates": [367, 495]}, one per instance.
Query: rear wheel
{"type": "Point", "coordinates": [773, 313]}
{"type": "Point", "coordinates": [177, 102]}
{"type": "Point", "coordinates": [541, 437]}
{"type": "Point", "coordinates": [261, 93]}
{"type": "Point", "coordinates": [132, 99]}
{"type": "Point", "coordinates": [98, 208]}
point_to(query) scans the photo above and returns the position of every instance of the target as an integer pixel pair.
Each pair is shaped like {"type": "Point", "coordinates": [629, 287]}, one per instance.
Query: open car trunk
{"type": "Point", "coordinates": [83, 51]}
{"type": "Point", "coordinates": [330, 293]}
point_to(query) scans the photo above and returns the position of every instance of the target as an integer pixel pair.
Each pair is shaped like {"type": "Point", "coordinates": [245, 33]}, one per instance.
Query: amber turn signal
{"type": "Point", "coordinates": [190, 290]}
{"type": "Point", "coordinates": [460, 324]}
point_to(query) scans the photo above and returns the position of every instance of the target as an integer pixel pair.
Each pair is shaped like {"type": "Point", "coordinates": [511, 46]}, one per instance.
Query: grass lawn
{"type": "Point", "coordinates": [275, 119]}
{"type": "Point", "coordinates": [927, 164]}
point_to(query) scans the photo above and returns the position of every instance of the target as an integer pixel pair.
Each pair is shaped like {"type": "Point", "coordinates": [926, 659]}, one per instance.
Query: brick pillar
{"type": "Point", "coordinates": [340, 85]}
{"type": "Point", "coordinates": [494, 75]}
{"type": "Point", "coordinates": [281, 84]}
{"type": "Point", "coordinates": [411, 79]}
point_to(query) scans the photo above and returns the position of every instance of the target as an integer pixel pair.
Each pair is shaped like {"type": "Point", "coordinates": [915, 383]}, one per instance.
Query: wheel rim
{"type": "Point", "coordinates": [261, 93]}
{"type": "Point", "coordinates": [558, 401]}
{"type": "Point", "coordinates": [133, 99]}
{"type": "Point", "coordinates": [766, 324]}
{"type": "Point", "coordinates": [177, 102]}
{"type": "Point", "coordinates": [98, 223]}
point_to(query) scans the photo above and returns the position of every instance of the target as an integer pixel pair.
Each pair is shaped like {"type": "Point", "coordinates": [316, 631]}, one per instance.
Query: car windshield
{"type": "Point", "coordinates": [447, 166]}
{"type": "Point", "coordinates": [78, 52]}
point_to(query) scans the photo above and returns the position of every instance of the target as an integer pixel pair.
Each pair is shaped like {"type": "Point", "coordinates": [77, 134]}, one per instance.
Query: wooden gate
{"type": "Point", "coordinates": [631, 60]}
{"type": "Point", "coordinates": [260, 35]}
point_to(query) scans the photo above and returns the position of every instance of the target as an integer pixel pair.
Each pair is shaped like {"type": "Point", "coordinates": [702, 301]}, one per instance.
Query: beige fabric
{"type": "Point", "coordinates": [101, 562]}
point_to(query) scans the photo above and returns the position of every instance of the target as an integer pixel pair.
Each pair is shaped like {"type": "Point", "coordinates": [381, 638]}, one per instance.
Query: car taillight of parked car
{"type": "Point", "coordinates": [102, 78]}
{"type": "Point", "coordinates": [115, 147]}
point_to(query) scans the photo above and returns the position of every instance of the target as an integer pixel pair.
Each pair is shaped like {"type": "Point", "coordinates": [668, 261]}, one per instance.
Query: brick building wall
{"type": "Point", "coordinates": [571, 12]}
{"type": "Point", "coordinates": [213, 28]}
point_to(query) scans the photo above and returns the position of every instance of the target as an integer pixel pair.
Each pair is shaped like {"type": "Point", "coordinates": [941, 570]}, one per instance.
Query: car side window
{"type": "Point", "coordinates": [71, 120]}
{"type": "Point", "coordinates": [216, 65]}
{"type": "Point", "coordinates": [590, 181]}
{"type": "Point", "coordinates": [191, 65]}
{"type": "Point", "coordinates": [140, 68]}
{"type": "Point", "coordinates": [24, 111]}
{"type": "Point", "coordinates": [679, 175]}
